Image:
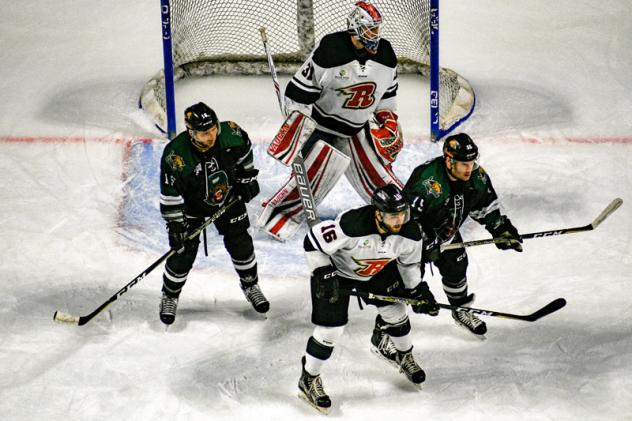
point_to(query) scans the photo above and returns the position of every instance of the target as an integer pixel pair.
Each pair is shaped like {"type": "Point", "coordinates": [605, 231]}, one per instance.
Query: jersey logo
{"type": "Point", "coordinates": [216, 184]}
{"type": "Point", "coordinates": [359, 96]}
{"type": "Point", "coordinates": [235, 128]}
{"type": "Point", "coordinates": [432, 187]}
{"type": "Point", "coordinates": [342, 75]}
{"type": "Point", "coordinates": [176, 162]}
{"type": "Point", "coordinates": [212, 165]}
{"type": "Point", "coordinates": [370, 267]}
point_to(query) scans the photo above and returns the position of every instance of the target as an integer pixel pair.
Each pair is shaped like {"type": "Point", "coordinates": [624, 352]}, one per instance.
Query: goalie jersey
{"type": "Point", "coordinates": [345, 87]}
{"type": "Point", "coordinates": [353, 244]}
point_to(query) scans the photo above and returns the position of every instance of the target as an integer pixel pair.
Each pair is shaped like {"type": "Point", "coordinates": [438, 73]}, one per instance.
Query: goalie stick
{"type": "Point", "coordinates": [613, 206]}
{"type": "Point", "coordinates": [82, 320]}
{"type": "Point", "coordinates": [551, 307]}
{"type": "Point", "coordinates": [298, 164]}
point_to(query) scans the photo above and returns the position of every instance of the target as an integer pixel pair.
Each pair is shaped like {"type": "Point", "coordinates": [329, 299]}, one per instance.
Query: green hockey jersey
{"type": "Point", "coordinates": [196, 183]}
{"type": "Point", "coordinates": [441, 205]}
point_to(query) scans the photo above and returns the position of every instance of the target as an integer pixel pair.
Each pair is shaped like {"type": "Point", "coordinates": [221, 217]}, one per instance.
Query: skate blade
{"type": "Point", "coordinates": [305, 399]}
{"type": "Point", "coordinates": [471, 334]}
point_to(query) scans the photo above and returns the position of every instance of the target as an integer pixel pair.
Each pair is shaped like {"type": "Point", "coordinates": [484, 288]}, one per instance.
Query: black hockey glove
{"type": "Point", "coordinates": [505, 235]}
{"type": "Point", "coordinates": [432, 250]}
{"type": "Point", "coordinates": [326, 280]}
{"type": "Point", "coordinates": [177, 231]}
{"type": "Point", "coordinates": [246, 185]}
{"type": "Point", "coordinates": [422, 293]}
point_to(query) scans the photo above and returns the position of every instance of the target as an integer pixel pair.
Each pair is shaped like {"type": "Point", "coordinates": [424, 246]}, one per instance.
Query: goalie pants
{"type": "Point", "coordinates": [233, 227]}
{"type": "Point", "coordinates": [365, 172]}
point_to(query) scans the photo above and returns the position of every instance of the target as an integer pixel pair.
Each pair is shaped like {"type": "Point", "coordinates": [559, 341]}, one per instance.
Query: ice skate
{"type": "Point", "coordinates": [256, 298]}
{"type": "Point", "coordinates": [470, 322]}
{"type": "Point", "coordinates": [409, 367]}
{"type": "Point", "coordinates": [311, 391]}
{"type": "Point", "coordinates": [383, 347]}
{"type": "Point", "coordinates": [168, 307]}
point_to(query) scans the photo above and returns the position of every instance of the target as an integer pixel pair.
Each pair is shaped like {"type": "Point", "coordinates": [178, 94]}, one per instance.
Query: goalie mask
{"type": "Point", "coordinates": [392, 207]}
{"type": "Point", "coordinates": [365, 22]}
{"type": "Point", "coordinates": [203, 126]}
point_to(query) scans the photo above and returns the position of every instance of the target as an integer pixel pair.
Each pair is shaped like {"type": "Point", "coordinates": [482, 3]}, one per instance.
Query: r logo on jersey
{"type": "Point", "coordinates": [359, 96]}
{"type": "Point", "coordinates": [370, 267]}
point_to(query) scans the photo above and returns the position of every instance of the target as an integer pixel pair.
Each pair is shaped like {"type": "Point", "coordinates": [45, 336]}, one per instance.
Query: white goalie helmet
{"type": "Point", "coordinates": [365, 22]}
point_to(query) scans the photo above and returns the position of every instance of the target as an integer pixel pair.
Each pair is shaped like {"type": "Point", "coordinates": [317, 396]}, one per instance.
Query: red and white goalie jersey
{"type": "Point", "coordinates": [345, 86]}
{"type": "Point", "coordinates": [358, 251]}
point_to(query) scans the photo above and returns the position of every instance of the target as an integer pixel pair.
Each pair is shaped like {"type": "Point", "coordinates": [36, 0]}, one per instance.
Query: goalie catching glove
{"type": "Point", "coordinates": [387, 136]}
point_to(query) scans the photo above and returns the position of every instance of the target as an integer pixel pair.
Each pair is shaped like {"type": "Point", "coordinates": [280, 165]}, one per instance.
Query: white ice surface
{"type": "Point", "coordinates": [79, 220]}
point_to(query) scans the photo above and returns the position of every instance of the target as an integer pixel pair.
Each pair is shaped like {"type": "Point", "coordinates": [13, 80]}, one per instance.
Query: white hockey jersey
{"type": "Point", "coordinates": [345, 89]}
{"type": "Point", "coordinates": [358, 251]}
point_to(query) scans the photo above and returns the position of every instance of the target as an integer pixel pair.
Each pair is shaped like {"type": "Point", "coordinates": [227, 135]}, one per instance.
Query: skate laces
{"type": "Point", "coordinates": [316, 386]}
{"type": "Point", "coordinates": [168, 305]}
{"type": "Point", "coordinates": [468, 318]}
{"type": "Point", "coordinates": [386, 346]}
{"type": "Point", "coordinates": [254, 295]}
{"type": "Point", "coordinates": [408, 363]}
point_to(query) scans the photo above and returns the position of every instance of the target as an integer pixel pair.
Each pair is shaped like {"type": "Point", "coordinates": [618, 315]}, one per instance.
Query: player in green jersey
{"type": "Point", "coordinates": [443, 192]}
{"type": "Point", "coordinates": [201, 170]}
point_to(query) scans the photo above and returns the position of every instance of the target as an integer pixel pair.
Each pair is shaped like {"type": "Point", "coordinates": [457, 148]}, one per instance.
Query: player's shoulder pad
{"type": "Point", "coordinates": [358, 222]}
{"type": "Point", "coordinates": [178, 143]}
{"type": "Point", "coordinates": [433, 167]}
{"type": "Point", "coordinates": [385, 54]}
{"type": "Point", "coordinates": [334, 50]}
{"type": "Point", "coordinates": [231, 135]}
{"type": "Point", "coordinates": [480, 177]}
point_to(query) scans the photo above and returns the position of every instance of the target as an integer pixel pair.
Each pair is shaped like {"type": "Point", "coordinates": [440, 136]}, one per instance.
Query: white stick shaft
{"type": "Point", "coordinates": [275, 79]}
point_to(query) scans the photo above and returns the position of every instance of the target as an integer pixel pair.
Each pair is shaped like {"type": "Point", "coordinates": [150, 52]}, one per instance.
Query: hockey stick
{"type": "Point", "coordinates": [551, 307]}
{"type": "Point", "coordinates": [613, 206]}
{"type": "Point", "coordinates": [275, 79]}
{"type": "Point", "coordinates": [298, 165]}
{"type": "Point", "coordinates": [82, 320]}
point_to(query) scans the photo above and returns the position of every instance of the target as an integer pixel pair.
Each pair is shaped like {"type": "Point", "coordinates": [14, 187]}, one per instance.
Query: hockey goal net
{"type": "Point", "coordinates": [222, 37]}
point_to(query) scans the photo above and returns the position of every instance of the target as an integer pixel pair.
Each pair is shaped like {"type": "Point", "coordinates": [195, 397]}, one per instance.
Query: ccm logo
{"type": "Point", "coordinates": [239, 218]}
{"type": "Point", "coordinates": [547, 234]}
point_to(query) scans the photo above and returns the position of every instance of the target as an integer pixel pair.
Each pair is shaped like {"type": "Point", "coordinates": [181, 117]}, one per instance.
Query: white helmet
{"type": "Point", "coordinates": [365, 22]}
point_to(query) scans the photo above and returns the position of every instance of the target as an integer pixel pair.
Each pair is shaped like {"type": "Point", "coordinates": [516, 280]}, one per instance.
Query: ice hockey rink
{"type": "Point", "coordinates": [79, 219]}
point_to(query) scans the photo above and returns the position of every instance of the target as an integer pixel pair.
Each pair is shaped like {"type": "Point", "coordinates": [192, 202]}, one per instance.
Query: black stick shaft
{"type": "Point", "coordinates": [85, 319]}
{"type": "Point", "coordinates": [613, 206]}
{"type": "Point", "coordinates": [551, 307]}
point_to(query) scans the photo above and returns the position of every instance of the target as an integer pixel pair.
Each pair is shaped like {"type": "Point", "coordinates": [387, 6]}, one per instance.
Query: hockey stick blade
{"type": "Point", "coordinates": [551, 307]}
{"type": "Point", "coordinates": [62, 317]}
{"type": "Point", "coordinates": [613, 206]}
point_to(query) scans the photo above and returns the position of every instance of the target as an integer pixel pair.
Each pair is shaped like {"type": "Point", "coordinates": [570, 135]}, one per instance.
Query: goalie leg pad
{"type": "Point", "coordinates": [283, 213]}
{"type": "Point", "coordinates": [367, 171]}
